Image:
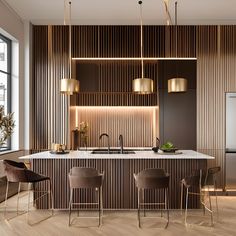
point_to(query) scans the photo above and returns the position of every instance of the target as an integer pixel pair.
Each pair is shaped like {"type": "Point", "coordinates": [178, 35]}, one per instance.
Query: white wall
{"type": "Point", "coordinates": [13, 27]}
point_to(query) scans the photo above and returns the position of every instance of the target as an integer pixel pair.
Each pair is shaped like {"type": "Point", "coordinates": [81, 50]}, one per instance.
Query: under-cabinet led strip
{"type": "Point", "coordinates": [131, 58]}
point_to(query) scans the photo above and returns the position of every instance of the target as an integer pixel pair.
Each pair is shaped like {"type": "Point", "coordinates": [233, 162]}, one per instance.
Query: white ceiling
{"type": "Point", "coordinates": [120, 12]}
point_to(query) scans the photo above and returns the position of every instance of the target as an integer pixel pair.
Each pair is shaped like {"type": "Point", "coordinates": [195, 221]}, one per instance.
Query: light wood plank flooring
{"type": "Point", "coordinates": [121, 223]}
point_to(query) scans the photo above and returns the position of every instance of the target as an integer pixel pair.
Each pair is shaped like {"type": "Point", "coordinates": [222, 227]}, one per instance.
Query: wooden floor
{"type": "Point", "coordinates": [122, 223]}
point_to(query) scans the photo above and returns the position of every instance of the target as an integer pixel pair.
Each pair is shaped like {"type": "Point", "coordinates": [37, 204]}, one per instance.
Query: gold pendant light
{"type": "Point", "coordinates": [69, 86]}
{"type": "Point", "coordinates": [178, 84]}
{"type": "Point", "coordinates": [142, 85]}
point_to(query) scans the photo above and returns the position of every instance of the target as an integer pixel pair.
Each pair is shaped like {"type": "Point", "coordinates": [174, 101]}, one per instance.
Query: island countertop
{"type": "Point", "coordinates": [139, 154]}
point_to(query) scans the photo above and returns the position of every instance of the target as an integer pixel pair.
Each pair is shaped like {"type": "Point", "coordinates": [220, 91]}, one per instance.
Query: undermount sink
{"type": "Point", "coordinates": [112, 151]}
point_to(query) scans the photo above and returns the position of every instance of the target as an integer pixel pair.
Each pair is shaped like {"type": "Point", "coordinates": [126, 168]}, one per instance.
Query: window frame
{"type": "Point", "coordinates": [9, 78]}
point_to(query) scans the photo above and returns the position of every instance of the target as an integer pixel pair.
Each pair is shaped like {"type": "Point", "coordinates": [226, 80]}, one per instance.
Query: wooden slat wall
{"type": "Point", "coordinates": [216, 70]}
{"type": "Point", "coordinates": [214, 47]}
{"type": "Point", "coordinates": [138, 126]}
{"type": "Point", "coordinates": [50, 109]}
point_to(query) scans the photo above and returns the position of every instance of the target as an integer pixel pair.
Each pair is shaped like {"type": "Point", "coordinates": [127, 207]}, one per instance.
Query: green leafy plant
{"type": "Point", "coordinates": [7, 125]}
{"type": "Point", "coordinates": [168, 146]}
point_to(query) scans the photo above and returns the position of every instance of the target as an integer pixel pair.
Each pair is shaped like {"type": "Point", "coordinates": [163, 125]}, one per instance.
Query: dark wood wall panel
{"type": "Point", "coordinates": [115, 99]}
{"type": "Point", "coordinates": [50, 109]}
{"type": "Point", "coordinates": [216, 70]}
{"type": "Point", "coordinates": [119, 191]}
{"type": "Point", "coordinates": [214, 47]}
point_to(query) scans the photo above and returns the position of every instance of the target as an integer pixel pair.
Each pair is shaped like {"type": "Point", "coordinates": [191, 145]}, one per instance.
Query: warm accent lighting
{"type": "Point", "coordinates": [177, 85]}
{"type": "Point", "coordinates": [142, 85]}
{"type": "Point", "coordinates": [69, 86]}
{"type": "Point", "coordinates": [114, 107]}
{"type": "Point", "coordinates": [132, 58]}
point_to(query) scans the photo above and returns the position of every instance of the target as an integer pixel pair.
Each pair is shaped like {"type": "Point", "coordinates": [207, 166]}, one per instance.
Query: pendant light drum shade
{"type": "Point", "coordinates": [143, 85]}
{"type": "Point", "coordinates": [69, 86]}
{"type": "Point", "coordinates": [177, 85]}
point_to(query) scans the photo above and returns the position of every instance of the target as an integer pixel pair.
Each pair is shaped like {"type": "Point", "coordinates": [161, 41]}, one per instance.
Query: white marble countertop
{"type": "Point", "coordinates": [140, 153]}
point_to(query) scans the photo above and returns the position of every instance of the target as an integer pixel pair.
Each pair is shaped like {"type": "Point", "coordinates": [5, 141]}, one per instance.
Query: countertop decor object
{"type": "Point", "coordinates": [142, 85]}
{"type": "Point", "coordinates": [58, 148]}
{"type": "Point", "coordinates": [7, 125]}
{"type": "Point", "coordinates": [69, 86]}
{"type": "Point", "coordinates": [168, 147]}
{"type": "Point", "coordinates": [177, 152]}
{"type": "Point", "coordinates": [59, 152]}
{"type": "Point", "coordinates": [155, 149]}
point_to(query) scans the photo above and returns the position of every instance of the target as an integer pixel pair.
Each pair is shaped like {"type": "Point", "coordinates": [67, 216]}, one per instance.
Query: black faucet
{"type": "Point", "coordinates": [108, 143]}
{"type": "Point", "coordinates": [121, 143]}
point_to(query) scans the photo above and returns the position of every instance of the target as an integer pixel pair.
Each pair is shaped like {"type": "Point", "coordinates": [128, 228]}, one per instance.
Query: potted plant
{"type": "Point", "coordinates": [7, 125]}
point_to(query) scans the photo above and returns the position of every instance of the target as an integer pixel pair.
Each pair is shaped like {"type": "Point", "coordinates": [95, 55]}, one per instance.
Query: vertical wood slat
{"type": "Point", "coordinates": [119, 191]}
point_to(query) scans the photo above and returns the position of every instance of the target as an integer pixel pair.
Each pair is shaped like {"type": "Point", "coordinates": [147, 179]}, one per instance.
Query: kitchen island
{"type": "Point", "coordinates": [119, 191]}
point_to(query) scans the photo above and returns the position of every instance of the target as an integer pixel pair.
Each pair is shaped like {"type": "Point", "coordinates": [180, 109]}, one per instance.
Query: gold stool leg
{"type": "Point", "coordinates": [211, 212]}
{"type": "Point", "coordinates": [101, 202]}
{"type": "Point", "coordinates": [71, 196]}
{"type": "Point", "coordinates": [28, 205]}
{"type": "Point", "coordinates": [181, 198]}
{"type": "Point", "coordinates": [99, 206]}
{"type": "Point", "coordinates": [143, 201]}
{"type": "Point", "coordinates": [51, 196]}
{"type": "Point", "coordinates": [167, 206]}
{"type": "Point", "coordinates": [186, 208]}
{"type": "Point", "coordinates": [139, 223]}
{"type": "Point", "coordinates": [5, 208]}
{"type": "Point", "coordinates": [17, 204]}
{"type": "Point", "coordinates": [217, 208]}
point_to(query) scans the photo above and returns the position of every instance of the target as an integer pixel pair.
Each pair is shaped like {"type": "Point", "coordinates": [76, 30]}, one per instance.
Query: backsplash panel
{"type": "Point", "coordinates": [138, 125]}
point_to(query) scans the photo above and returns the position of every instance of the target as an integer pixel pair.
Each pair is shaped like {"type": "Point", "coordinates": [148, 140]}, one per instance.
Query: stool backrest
{"type": "Point", "coordinates": [211, 175]}
{"type": "Point", "coordinates": [201, 177]}
{"type": "Point", "coordinates": [15, 171]}
{"type": "Point", "coordinates": [152, 179]}
{"type": "Point", "coordinates": [81, 177]}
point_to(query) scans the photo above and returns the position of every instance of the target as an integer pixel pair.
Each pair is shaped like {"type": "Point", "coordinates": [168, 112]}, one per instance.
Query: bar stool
{"type": "Point", "coordinates": [202, 181]}
{"type": "Point", "coordinates": [83, 178]}
{"type": "Point", "coordinates": [152, 179]}
{"type": "Point", "coordinates": [17, 172]}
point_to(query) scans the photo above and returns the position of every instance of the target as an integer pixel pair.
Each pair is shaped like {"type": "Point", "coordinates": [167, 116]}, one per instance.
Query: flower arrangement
{"type": "Point", "coordinates": [7, 125]}
{"type": "Point", "coordinates": [83, 129]}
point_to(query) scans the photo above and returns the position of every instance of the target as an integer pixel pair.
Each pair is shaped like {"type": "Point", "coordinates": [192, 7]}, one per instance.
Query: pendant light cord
{"type": "Point", "coordinates": [141, 35]}
{"type": "Point", "coordinates": [70, 39]}
{"type": "Point", "coordinates": [176, 40]}
{"type": "Point", "coordinates": [176, 36]}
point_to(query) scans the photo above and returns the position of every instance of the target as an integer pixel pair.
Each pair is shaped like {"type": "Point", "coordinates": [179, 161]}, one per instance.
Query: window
{"type": "Point", "coordinates": [5, 79]}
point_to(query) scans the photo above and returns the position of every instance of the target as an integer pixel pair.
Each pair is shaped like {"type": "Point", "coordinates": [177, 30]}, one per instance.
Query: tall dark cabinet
{"type": "Point", "coordinates": [178, 110]}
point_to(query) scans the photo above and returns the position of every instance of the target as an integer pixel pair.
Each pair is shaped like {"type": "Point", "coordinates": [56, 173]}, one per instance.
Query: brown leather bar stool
{"type": "Point", "coordinates": [152, 179]}
{"type": "Point", "coordinates": [17, 172]}
{"type": "Point", "coordinates": [202, 181]}
{"type": "Point", "coordinates": [84, 178]}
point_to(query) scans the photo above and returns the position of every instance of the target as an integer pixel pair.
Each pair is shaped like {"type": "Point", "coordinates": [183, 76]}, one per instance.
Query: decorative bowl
{"type": "Point", "coordinates": [169, 149]}
{"type": "Point", "coordinates": [155, 149]}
